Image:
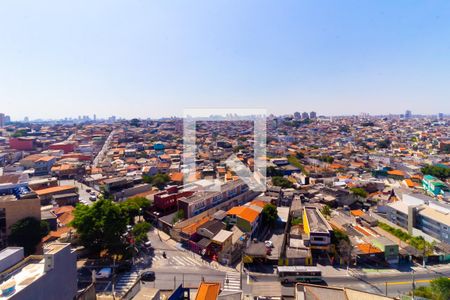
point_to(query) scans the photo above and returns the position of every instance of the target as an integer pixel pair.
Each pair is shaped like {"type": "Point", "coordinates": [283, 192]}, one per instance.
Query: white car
{"type": "Point", "coordinates": [103, 273]}
{"type": "Point", "coordinates": [92, 198]}
{"type": "Point", "coordinates": [269, 244]}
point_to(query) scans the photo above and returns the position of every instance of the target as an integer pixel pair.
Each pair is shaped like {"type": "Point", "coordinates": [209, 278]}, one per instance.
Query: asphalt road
{"type": "Point", "coordinates": [396, 284]}
{"type": "Point", "coordinates": [83, 194]}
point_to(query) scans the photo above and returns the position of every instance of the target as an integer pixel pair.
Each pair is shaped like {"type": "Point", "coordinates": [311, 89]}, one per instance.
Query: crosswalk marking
{"type": "Point", "coordinates": [232, 282]}
{"type": "Point", "coordinates": [125, 282]}
{"type": "Point", "coordinates": [179, 260]}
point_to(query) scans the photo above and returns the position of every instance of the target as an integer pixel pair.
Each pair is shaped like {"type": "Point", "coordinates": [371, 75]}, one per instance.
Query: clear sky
{"type": "Point", "coordinates": [153, 58]}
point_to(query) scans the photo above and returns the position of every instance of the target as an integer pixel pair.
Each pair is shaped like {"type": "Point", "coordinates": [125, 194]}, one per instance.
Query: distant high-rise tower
{"type": "Point", "coordinates": [2, 120]}
{"type": "Point", "coordinates": [26, 119]}
{"type": "Point", "coordinates": [305, 115]}
{"type": "Point", "coordinates": [313, 115]}
{"type": "Point", "coordinates": [408, 114]}
{"type": "Point", "coordinates": [441, 116]}
{"type": "Point", "coordinates": [297, 115]}
{"type": "Point", "coordinates": [95, 117]}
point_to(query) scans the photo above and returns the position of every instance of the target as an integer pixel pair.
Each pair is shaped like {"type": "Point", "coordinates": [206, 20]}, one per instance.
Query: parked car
{"type": "Point", "coordinates": [269, 244]}
{"type": "Point", "coordinates": [93, 193]}
{"type": "Point", "coordinates": [88, 190]}
{"type": "Point", "coordinates": [148, 276]}
{"type": "Point", "coordinates": [92, 198]}
{"type": "Point", "coordinates": [104, 273]}
{"type": "Point", "coordinates": [148, 244]}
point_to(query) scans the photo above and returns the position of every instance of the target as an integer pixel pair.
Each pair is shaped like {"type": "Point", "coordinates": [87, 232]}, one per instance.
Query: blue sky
{"type": "Point", "coordinates": [154, 58]}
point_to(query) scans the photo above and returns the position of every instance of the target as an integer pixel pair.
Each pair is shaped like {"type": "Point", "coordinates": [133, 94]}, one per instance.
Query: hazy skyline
{"type": "Point", "coordinates": [155, 58]}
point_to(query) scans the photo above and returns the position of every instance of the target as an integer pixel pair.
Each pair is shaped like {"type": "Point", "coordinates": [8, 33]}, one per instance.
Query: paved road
{"type": "Point", "coordinates": [167, 278]}
{"type": "Point", "coordinates": [397, 284]}
{"type": "Point", "coordinates": [83, 194]}
{"type": "Point", "coordinates": [101, 153]}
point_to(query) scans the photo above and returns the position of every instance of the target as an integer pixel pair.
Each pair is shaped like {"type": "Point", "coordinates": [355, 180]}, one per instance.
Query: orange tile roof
{"type": "Point", "coordinates": [66, 218]}
{"type": "Point", "coordinates": [178, 176]}
{"type": "Point", "coordinates": [192, 228]}
{"type": "Point", "coordinates": [368, 248]}
{"type": "Point", "coordinates": [357, 212]}
{"type": "Point", "coordinates": [249, 214]}
{"type": "Point", "coordinates": [259, 203]}
{"type": "Point", "coordinates": [54, 189]}
{"type": "Point", "coordinates": [208, 291]}
{"type": "Point", "coordinates": [396, 173]}
{"type": "Point", "coordinates": [237, 210]}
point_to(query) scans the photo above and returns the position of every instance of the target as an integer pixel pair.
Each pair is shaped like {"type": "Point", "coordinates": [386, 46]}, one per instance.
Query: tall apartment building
{"type": "Point", "coordinates": [2, 120]}
{"type": "Point", "coordinates": [51, 276]}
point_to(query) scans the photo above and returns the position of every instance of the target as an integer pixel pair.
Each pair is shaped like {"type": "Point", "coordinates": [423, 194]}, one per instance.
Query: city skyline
{"type": "Point", "coordinates": [156, 59]}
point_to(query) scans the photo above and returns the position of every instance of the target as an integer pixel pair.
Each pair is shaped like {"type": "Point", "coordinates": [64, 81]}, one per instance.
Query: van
{"type": "Point", "coordinates": [103, 273]}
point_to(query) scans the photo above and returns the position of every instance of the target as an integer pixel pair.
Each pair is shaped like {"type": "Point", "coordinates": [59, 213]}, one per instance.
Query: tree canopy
{"type": "Point", "coordinates": [269, 214]}
{"type": "Point", "coordinates": [281, 181]}
{"type": "Point", "coordinates": [159, 180]}
{"type": "Point", "coordinates": [440, 172]}
{"type": "Point", "coordinates": [133, 206]}
{"type": "Point", "coordinates": [359, 192]}
{"type": "Point", "coordinates": [27, 233]}
{"type": "Point", "coordinates": [140, 232]}
{"type": "Point", "coordinates": [439, 289]}
{"type": "Point", "coordinates": [101, 226]}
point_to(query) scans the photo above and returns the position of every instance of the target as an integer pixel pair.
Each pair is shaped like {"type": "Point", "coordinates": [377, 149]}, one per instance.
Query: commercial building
{"type": "Point", "coordinates": [232, 193]}
{"type": "Point", "coordinates": [51, 276]}
{"type": "Point", "coordinates": [317, 228]}
{"type": "Point", "coordinates": [429, 216]}
{"type": "Point", "coordinates": [389, 248]}
{"type": "Point", "coordinates": [46, 195]}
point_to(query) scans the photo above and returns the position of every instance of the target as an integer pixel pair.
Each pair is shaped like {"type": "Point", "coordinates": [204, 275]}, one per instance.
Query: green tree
{"type": "Point", "coordinates": [297, 221]}
{"type": "Point", "coordinates": [140, 231]}
{"type": "Point", "coordinates": [134, 206]}
{"type": "Point", "coordinates": [101, 226]}
{"type": "Point", "coordinates": [27, 233]}
{"type": "Point", "coordinates": [440, 288]}
{"type": "Point", "coordinates": [178, 216]}
{"type": "Point", "coordinates": [441, 172]}
{"type": "Point", "coordinates": [359, 192]}
{"type": "Point", "coordinates": [326, 211]}
{"type": "Point", "coordinates": [269, 215]}
{"type": "Point", "coordinates": [159, 180]}
{"type": "Point", "coordinates": [281, 181]}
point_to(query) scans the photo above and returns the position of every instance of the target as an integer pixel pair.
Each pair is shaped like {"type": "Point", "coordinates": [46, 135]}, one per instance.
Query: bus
{"type": "Point", "coordinates": [293, 274]}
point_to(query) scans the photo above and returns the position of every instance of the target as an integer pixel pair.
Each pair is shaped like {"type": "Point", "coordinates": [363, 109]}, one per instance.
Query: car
{"type": "Point", "coordinates": [93, 193]}
{"type": "Point", "coordinates": [148, 244]}
{"type": "Point", "coordinates": [104, 273]}
{"type": "Point", "coordinates": [148, 276]}
{"type": "Point", "coordinates": [88, 190]}
{"type": "Point", "coordinates": [92, 198]}
{"type": "Point", "coordinates": [269, 244]}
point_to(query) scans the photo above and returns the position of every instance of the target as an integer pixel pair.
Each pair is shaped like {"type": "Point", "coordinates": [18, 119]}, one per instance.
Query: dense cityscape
{"type": "Point", "coordinates": [355, 207]}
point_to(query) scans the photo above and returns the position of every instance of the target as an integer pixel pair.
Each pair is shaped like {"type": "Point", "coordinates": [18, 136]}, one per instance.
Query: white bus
{"type": "Point", "coordinates": [294, 274]}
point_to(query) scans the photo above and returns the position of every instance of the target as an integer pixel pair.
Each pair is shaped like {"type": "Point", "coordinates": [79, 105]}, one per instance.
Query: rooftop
{"type": "Point", "coordinates": [316, 221]}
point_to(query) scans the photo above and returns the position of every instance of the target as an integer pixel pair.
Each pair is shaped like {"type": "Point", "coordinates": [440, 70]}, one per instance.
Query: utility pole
{"type": "Point", "coordinates": [385, 283]}
{"type": "Point", "coordinates": [413, 284]}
